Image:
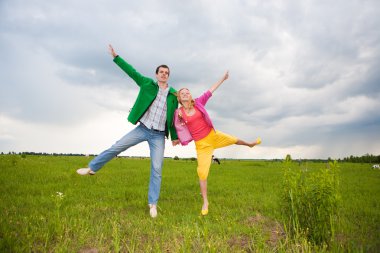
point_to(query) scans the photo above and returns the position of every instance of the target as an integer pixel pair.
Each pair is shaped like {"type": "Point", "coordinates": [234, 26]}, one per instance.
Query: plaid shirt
{"type": "Point", "coordinates": [155, 116]}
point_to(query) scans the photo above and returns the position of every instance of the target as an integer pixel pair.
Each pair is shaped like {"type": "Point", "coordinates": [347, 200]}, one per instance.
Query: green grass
{"type": "Point", "coordinates": [108, 212]}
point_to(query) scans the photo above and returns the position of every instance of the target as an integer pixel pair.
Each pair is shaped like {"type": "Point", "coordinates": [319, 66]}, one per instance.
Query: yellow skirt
{"type": "Point", "coordinates": [205, 148]}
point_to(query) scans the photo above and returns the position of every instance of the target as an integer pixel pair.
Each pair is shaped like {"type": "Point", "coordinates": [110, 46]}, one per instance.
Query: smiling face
{"type": "Point", "coordinates": [184, 95]}
{"type": "Point", "coordinates": [162, 74]}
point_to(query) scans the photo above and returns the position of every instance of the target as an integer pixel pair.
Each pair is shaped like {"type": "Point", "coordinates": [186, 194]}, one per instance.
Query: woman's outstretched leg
{"type": "Point", "coordinates": [224, 140]}
{"type": "Point", "coordinates": [249, 144]}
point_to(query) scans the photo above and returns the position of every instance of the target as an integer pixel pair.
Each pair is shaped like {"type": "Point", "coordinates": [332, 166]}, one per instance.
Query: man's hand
{"type": "Point", "coordinates": [112, 51]}
{"type": "Point", "coordinates": [175, 142]}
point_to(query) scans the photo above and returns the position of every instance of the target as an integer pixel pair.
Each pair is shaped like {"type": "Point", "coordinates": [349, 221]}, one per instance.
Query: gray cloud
{"type": "Point", "coordinates": [301, 73]}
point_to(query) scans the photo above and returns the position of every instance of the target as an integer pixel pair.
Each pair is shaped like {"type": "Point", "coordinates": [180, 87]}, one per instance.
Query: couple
{"type": "Point", "coordinates": [156, 110]}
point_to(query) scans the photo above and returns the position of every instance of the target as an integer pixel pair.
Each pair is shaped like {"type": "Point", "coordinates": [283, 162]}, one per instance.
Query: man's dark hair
{"type": "Point", "coordinates": [162, 66]}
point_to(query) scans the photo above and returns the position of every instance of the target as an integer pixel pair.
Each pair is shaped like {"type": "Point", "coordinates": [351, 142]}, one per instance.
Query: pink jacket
{"type": "Point", "coordinates": [183, 132]}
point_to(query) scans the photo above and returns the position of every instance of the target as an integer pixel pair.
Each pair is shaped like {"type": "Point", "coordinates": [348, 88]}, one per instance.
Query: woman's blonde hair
{"type": "Point", "coordinates": [179, 97]}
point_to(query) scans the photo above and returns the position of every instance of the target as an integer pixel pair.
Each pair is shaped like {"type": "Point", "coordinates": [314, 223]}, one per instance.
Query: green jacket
{"type": "Point", "coordinates": [147, 94]}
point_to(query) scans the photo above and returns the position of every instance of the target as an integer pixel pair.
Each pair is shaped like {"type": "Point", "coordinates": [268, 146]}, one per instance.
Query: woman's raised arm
{"type": "Point", "coordinates": [217, 84]}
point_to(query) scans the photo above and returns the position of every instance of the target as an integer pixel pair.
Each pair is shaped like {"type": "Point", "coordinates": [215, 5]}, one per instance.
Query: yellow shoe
{"type": "Point", "coordinates": [204, 212]}
{"type": "Point", "coordinates": [258, 141]}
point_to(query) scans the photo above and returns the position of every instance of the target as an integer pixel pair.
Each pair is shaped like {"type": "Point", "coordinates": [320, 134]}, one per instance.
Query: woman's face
{"type": "Point", "coordinates": [185, 95]}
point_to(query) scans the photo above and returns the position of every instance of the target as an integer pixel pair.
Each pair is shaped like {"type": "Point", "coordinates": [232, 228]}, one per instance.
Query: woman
{"type": "Point", "coordinates": [192, 122]}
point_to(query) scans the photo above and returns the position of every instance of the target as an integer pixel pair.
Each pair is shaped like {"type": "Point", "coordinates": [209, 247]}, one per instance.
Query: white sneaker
{"type": "Point", "coordinates": [85, 171]}
{"type": "Point", "coordinates": [153, 210]}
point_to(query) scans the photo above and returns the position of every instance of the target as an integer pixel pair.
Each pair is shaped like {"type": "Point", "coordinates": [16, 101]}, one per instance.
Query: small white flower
{"type": "Point", "coordinates": [60, 195]}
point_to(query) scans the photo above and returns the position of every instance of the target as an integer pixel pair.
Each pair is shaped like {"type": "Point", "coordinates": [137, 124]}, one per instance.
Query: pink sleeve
{"type": "Point", "coordinates": [204, 98]}
{"type": "Point", "coordinates": [183, 133]}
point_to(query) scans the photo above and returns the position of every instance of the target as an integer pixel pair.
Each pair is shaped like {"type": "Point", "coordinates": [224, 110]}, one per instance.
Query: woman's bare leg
{"type": "Point", "coordinates": [249, 144]}
{"type": "Point", "coordinates": [203, 185]}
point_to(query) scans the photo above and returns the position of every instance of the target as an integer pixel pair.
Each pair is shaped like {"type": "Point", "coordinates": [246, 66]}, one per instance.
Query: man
{"type": "Point", "coordinates": [154, 109]}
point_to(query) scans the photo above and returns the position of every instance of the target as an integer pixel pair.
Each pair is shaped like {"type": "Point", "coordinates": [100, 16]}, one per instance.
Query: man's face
{"type": "Point", "coordinates": [162, 75]}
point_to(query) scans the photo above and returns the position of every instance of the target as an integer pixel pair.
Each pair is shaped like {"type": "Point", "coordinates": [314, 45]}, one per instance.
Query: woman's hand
{"type": "Point", "coordinates": [225, 76]}
{"type": "Point", "coordinates": [217, 84]}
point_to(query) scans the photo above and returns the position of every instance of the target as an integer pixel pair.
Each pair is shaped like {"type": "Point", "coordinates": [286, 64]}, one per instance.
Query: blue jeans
{"type": "Point", "coordinates": [156, 141]}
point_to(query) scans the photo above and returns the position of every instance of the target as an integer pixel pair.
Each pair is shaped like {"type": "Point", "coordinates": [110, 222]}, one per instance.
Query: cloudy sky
{"type": "Point", "coordinates": [304, 75]}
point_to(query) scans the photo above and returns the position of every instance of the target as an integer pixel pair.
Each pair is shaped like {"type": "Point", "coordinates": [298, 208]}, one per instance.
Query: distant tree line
{"type": "Point", "coordinates": [44, 154]}
{"type": "Point", "coordinates": [367, 158]}
{"type": "Point", "coordinates": [24, 154]}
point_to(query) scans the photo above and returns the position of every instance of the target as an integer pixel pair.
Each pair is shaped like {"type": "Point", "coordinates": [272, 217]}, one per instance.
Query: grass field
{"type": "Point", "coordinates": [46, 207]}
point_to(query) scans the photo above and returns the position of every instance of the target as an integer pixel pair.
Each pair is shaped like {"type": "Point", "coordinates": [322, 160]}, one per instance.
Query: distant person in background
{"type": "Point", "coordinates": [214, 159]}
{"type": "Point", "coordinates": [192, 122]}
{"type": "Point", "coordinates": [153, 109]}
